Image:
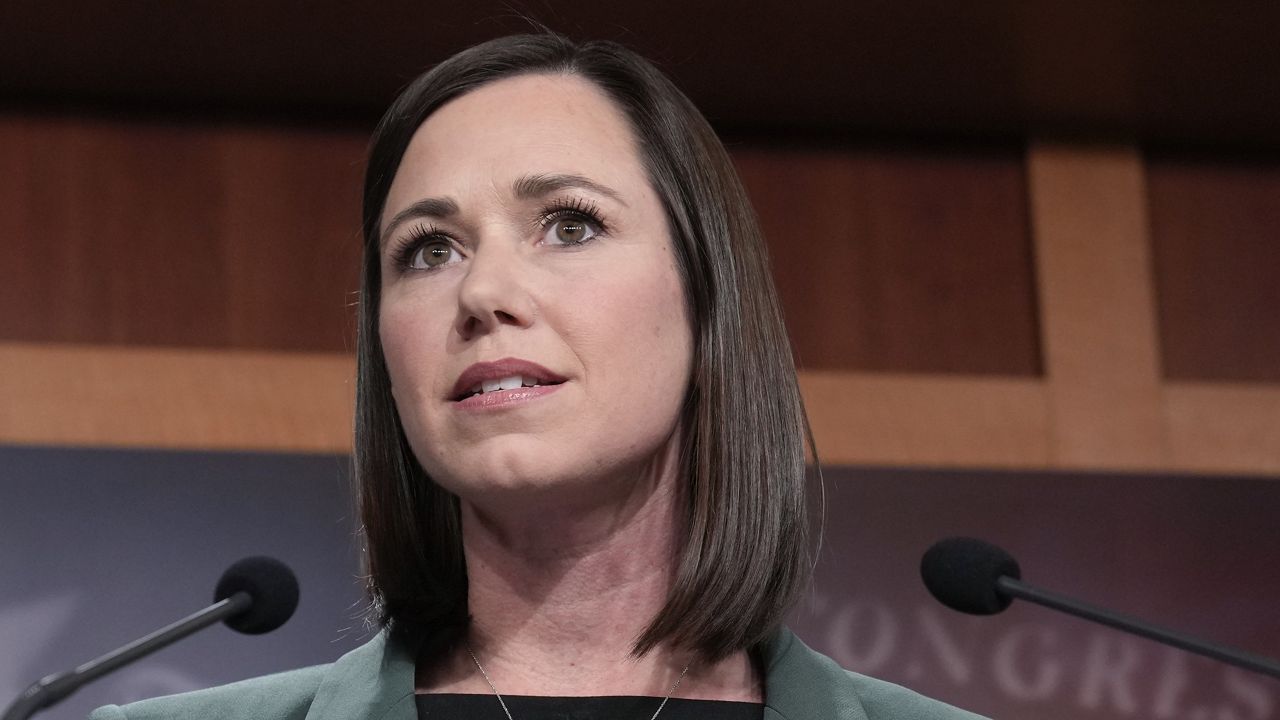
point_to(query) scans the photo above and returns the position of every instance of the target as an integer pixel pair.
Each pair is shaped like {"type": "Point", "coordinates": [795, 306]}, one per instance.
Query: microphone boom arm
{"type": "Point", "coordinates": [1018, 589]}
{"type": "Point", "coordinates": [53, 688]}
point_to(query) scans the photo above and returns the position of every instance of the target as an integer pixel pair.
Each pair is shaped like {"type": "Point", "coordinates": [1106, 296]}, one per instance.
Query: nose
{"type": "Point", "coordinates": [493, 293]}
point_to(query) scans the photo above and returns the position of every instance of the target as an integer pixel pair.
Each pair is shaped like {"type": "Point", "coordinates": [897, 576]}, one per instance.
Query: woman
{"type": "Point", "coordinates": [579, 441]}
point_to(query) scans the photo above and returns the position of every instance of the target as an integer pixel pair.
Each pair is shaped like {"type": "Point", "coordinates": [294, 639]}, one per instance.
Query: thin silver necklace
{"type": "Point", "coordinates": [503, 703]}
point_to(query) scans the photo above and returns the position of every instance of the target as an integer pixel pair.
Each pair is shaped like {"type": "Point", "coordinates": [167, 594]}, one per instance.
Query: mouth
{"type": "Point", "coordinates": [502, 375]}
{"type": "Point", "coordinates": [511, 382]}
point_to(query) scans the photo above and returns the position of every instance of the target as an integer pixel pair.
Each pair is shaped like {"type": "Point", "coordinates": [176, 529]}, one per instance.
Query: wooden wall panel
{"type": "Point", "coordinates": [224, 236]}
{"type": "Point", "coordinates": [900, 261]}
{"type": "Point", "coordinates": [1098, 316]}
{"type": "Point", "coordinates": [79, 395]}
{"type": "Point", "coordinates": [1223, 428]}
{"type": "Point", "coordinates": [1215, 230]}
{"type": "Point", "coordinates": [113, 238]}
{"type": "Point", "coordinates": [156, 234]}
{"type": "Point", "coordinates": [920, 289]}
{"type": "Point", "coordinates": [292, 230]}
{"type": "Point", "coordinates": [922, 420]}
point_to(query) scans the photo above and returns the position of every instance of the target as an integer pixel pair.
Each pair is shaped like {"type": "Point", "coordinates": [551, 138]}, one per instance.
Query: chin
{"type": "Point", "coordinates": [527, 471]}
{"type": "Point", "coordinates": [509, 467]}
{"type": "Point", "coordinates": [525, 484]}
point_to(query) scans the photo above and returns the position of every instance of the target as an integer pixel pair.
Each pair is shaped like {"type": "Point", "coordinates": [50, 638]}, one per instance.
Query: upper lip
{"type": "Point", "coordinates": [498, 369]}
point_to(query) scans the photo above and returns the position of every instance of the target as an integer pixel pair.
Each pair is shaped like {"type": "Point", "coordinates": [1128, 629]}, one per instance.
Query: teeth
{"type": "Point", "coordinates": [506, 383]}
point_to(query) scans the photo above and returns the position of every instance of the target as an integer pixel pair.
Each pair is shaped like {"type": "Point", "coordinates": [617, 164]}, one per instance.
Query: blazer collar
{"type": "Point", "coordinates": [376, 681]}
{"type": "Point", "coordinates": [800, 684]}
{"type": "Point", "coordinates": [373, 682]}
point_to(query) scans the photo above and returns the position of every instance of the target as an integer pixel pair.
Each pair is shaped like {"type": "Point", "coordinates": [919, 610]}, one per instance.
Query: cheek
{"type": "Point", "coordinates": [408, 333]}
{"type": "Point", "coordinates": [395, 335]}
{"type": "Point", "coordinates": [665, 310]}
{"type": "Point", "coordinates": [638, 319]}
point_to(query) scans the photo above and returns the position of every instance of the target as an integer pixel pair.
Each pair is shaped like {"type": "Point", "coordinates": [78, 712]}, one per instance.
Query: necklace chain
{"type": "Point", "coordinates": [506, 710]}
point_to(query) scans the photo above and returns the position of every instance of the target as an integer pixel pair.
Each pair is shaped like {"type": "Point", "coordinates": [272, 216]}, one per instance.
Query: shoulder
{"type": "Point", "coordinates": [283, 696]}
{"type": "Point", "coordinates": [801, 684]}
{"type": "Point", "coordinates": [374, 680]}
{"type": "Point", "coordinates": [885, 700]}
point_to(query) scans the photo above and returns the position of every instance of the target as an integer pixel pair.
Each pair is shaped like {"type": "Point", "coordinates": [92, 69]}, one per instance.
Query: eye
{"type": "Point", "coordinates": [569, 231]}
{"type": "Point", "coordinates": [433, 254]}
{"type": "Point", "coordinates": [569, 222]}
{"type": "Point", "coordinates": [425, 248]}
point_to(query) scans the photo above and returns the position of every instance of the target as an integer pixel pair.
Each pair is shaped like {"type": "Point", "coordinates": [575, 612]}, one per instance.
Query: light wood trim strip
{"type": "Point", "coordinates": [1222, 428]}
{"type": "Point", "coordinates": [129, 397]}
{"type": "Point", "coordinates": [957, 421]}
{"type": "Point", "coordinates": [1097, 309]}
{"type": "Point", "coordinates": [295, 402]}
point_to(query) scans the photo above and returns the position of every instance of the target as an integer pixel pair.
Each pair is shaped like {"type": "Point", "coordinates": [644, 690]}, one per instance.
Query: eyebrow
{"type": "Point", "coordinates": [530, 187]}
{"type": "Point", "coordinates": [429, 207]}
{"type": "Point", "coordinates": [527, 187]}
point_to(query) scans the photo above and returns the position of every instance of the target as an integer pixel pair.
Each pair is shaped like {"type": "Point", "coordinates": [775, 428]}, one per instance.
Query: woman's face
{"type": "Point", "coordinates": [525, 255]}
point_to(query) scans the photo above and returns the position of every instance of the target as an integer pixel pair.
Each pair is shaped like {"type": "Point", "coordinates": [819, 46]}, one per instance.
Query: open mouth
{"type": "Point", "coordinates": [512, 382]}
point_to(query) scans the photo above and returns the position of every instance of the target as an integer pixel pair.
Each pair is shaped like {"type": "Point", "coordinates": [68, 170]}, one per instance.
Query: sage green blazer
{"type": "Point", "coordinates": [375, 682]}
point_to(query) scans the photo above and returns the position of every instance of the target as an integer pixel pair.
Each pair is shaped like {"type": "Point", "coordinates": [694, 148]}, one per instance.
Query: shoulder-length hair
{"type": "Point", "coordinates": [744, 554]}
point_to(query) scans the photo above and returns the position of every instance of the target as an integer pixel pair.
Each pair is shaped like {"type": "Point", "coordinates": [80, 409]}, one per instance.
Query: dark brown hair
{"type": "Point", "coordinates": [744, 555]}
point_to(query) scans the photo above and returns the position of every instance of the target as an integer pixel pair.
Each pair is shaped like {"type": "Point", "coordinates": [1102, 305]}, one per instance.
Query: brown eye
{"type": "Point", "coordinates": [432, 255]}
{"type": "Point", "coordinates": [570, 231]}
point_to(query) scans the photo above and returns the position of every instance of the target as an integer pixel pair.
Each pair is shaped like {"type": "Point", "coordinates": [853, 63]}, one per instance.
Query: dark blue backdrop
{"type": "Point", "coordinates": [99, 547]}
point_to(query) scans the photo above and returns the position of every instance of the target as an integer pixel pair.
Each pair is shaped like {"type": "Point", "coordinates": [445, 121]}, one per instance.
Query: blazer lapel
{"type": "Point", "coordinates": [800, 684]}
{"type": "Point", "coordinates": [372, 682]}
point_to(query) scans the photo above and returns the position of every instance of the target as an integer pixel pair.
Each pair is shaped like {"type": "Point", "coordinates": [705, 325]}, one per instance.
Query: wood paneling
{"type": "Point", "coordinates": [302, 402]}
{"type": "Point", "coordinates": [1215, 230]}
{"type": "Point", "coordinates": [1223, 428]}
{"type": "Point", "coordinates": [98, 396]}
{"type": "Point", "coordinates": [113, 235]}
{"type": "Point", "coordinates": [293, 234]}
{"type": "Point", "coordinates": [900, 262]}
{"type": "Point", "coordinates": [156, 234]}
{"type": "Point", "coordinates": [883, 419]}
{"type": "Point", "coordinates": [919, 289]}
{"type": "Point", "coordinates": [1097, 314]}
{"type": "Point", "coordinates": [235, 237]}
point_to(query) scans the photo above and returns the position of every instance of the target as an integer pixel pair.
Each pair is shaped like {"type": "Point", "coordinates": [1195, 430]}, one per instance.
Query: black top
{"type": "Point", "coordinates": [525, 707]}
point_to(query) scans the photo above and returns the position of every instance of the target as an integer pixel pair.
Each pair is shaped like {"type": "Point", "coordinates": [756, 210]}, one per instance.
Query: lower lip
{"type": "Point", "coordinates": [506, 398]}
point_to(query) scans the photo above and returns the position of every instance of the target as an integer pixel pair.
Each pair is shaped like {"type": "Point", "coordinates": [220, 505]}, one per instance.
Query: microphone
{"type": "Point", "coordinates": [255, 595]}
{"type": "Point", "coordinates": [975, 577]}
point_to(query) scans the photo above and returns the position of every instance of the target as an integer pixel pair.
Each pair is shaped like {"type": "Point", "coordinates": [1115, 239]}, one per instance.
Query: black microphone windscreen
{"type": "Point", "coordinates": [270, 583]}
{"type": "Point", "coordinates": [962, 573]}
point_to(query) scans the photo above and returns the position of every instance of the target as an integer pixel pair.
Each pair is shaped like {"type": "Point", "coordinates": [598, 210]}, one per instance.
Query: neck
{"type": "Point", "coordinates": [559, 592]}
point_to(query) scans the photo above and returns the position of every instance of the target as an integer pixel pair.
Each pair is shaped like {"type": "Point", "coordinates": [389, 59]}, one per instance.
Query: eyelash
{"type": "Point", "coordinates": [562, 209]}
{"type": "Point", "coordinates": [574, 209]}
{"type": "Point", "coordinates": [418, 236]}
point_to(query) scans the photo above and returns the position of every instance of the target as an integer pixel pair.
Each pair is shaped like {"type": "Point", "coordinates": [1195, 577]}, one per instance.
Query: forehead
{"type": "Point", "coordinates": [514, 127]}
